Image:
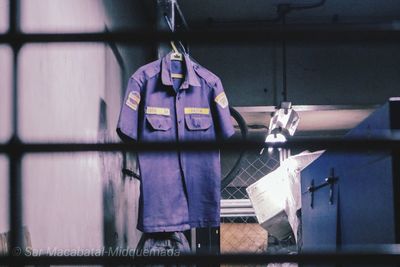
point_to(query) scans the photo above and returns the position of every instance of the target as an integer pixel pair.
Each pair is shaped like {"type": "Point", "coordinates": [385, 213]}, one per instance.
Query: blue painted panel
{"type": "Point", "coordinates": [319, 223]}
{"type": "Point", "coordinates": [369, 194]}
{"type": "Point", "coordinates": [366, 204]}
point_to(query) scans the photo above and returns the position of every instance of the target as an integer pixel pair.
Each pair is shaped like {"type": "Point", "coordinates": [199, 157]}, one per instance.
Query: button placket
{"type": "Point", "coordinates": [178, 114]}
{"type": "Point", "coordinates": [180, 135]}
{"type": "Point", "coordinates": [179, 119]}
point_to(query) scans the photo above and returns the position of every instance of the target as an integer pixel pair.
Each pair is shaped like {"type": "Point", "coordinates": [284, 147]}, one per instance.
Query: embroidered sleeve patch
{"type": "Point", "coordinates": [157, 111]}
{"type": "Point", "coordinates": [222, 100]}
{"type": "Point", "coordinates": [133, 100]}
{"type": "Point", "coordinates": [204, 111]}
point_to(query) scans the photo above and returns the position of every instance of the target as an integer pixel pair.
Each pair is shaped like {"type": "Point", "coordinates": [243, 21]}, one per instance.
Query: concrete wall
{"type": "Point", "coordinates": [5, 120]}
{"type": "Point", "coordinates": [343, 73]}
{"type": "Point", "coordinates": [248, 73]}
{"type": "Point", "coordinates": [5, 129]}
{"type": "Point", "coordinates": [72, 93]}
{"type": "Point", "coordinates": [317, 74]}
{"type": "Point", "coordinates": [4, 15]}
{"type": "Point", "coordinates": [4, 218]}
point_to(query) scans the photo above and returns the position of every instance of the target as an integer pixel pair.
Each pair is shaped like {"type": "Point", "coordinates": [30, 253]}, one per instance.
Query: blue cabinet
{"type": "Point", "coordinates": [363, 205]}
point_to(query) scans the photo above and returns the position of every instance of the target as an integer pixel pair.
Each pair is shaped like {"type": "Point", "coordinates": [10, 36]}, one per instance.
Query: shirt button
{"type": "Point", "coordinates": [179, 121]}
{"type": "Point", "coordinates": [179, 97]}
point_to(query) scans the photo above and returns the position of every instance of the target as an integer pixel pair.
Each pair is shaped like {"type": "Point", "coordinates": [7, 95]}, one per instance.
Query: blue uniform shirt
{"type": "Point", "coordinates": [179, 189]}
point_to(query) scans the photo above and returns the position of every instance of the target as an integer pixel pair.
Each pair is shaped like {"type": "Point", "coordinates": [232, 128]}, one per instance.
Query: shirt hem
{"type": "Point", "coordinates": [205, 224]}
{"type": "Point", "coordinates": [171, 228]}
{"type": "Point", "coordinates": [177, 228]}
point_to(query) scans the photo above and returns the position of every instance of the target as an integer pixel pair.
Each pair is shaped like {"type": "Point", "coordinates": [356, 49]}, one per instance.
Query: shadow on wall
{"type": "Point", "coordinates": [120, 193]}
{"type": "Point", "coordinates": [109, 226]}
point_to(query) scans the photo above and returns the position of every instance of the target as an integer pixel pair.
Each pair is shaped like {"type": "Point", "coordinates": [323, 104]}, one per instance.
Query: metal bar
{"type": "Point", "coordinates": [235, 203]}
{"type": "Point", "coordinates": [234, 213]}
{"type": "Point", "coordinates": [237, 215]}
{"type": "Point", "coordinates": [14, 16]}
{"type": "Point", "coordinates": [165, 21]}
{"type": "Point", "coordinates": [353, 144]}
{"type": "Point", "coordinates": [15, 202]}
{"type": "Point", "coordinates": [193, 240]}
{"type": "Point", "coordinates": [237, 210]}
{"type": "Point", "coordinates": [269, 109]}
{"type": "Point", "coordinates": [284, 74]}
{"type": "Point", "coordinates": [374, 258]}
{"type": "Point", "coordinates": [208, 36]}
{"type": "Point", "coordinates": [15, 156]}
{"type": "Point", "coordinates": [181, 16]}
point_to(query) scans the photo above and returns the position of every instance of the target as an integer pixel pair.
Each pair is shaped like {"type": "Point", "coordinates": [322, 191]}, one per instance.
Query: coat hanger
{"type": "Point", "coordinates": [176, 56]}
{"type": "Point", "coordinates": [172, 42]}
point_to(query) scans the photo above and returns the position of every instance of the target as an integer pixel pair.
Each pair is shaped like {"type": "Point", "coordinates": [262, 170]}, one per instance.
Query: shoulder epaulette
{"type": "Point", "coordinates": [210, 78]}
{"type": "Point", "coordinates": [147, 71]}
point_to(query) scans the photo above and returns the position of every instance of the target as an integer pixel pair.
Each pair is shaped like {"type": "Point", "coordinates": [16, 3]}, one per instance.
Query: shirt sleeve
{"type": "Point", "coordinates": [127, 127]}
{"type": "Point", "coordinates": [222, 115]}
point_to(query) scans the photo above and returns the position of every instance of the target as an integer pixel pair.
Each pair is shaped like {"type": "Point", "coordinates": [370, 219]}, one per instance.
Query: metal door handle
{"type": "Point", "coordinates": [330, 180]}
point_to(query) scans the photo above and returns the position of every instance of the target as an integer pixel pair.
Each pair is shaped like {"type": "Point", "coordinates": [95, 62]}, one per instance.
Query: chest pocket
{"type": "Point", "coordinates": [159, 122]}
{"type": "Point", "coordinates": [198, 122]}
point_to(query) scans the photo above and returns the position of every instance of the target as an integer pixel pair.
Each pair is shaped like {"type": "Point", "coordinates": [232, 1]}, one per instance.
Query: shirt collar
{"type": "Point", "coordinates": [190, 77]}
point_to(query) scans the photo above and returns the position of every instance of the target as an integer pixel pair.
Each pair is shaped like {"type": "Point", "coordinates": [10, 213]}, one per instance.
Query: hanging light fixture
{"type": "Point", "coordinates": [283, 124]}
{"type": "Point", "coordinates": [285, 120]}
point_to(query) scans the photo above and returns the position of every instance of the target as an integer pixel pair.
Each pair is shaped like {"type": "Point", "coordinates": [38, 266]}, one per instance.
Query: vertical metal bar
{"type": "Point", "coordinates": [193, 240]}
{"type": "Point", "coordinates": [165, 9]}
{"type": "Point", "coordinates": [15, 202]}
{"type": "Point", "coordinates": [284, 82]}
{"type": "Point", "coordinates": [14, 16]}
{"type": "Point", "coordinates": [395, 126]}
{"type": "Point", "coordinates": [14, 29]}
{"type": "Point", "coordinates": [181, 22]}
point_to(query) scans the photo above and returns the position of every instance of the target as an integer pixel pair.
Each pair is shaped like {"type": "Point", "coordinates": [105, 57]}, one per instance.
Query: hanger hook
{"type": "Point", "coordinates": [174, 47]}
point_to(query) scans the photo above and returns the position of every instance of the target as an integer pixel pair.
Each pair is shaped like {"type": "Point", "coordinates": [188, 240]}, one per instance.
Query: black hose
{"type": "Point", "coordinates": [236, 167]}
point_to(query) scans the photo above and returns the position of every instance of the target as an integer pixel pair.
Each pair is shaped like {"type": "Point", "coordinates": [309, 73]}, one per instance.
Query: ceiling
{"type": "Point", "coordinates": [346, 11]}
{"type": "Point", "coordinates": [239, 14]}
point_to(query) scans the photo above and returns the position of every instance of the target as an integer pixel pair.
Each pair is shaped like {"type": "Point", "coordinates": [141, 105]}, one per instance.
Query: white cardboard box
{"type": "Point", "coordinates": [276, 197]}
{"type": "Point", "coordinates": [268, 197]}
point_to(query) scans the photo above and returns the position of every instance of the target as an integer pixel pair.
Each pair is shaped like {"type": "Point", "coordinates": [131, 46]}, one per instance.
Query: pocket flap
{"type": "Point", "coordinates": [198, 122]}
{"type": "Point", "coordinates": [159, 122]}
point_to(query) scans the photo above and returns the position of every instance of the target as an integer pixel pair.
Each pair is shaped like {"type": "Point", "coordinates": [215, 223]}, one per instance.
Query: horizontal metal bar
{"type": "Point", "coordinates": [237, 215]}
{"type": "Point", "coordinates": [238, 212]}
{"type": "Point", "coordinates": [379, 259]}
{"type": "Point", "coordinates": [210, 36]}
{"type": "Point", "coordinates": [268, 109]}
{"type": "Point", "coordinates": [335, 144]}
{"type": "Point", "coordinates": [235, 203]}
{"type": "Point", "coordinates": [232, 208]}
